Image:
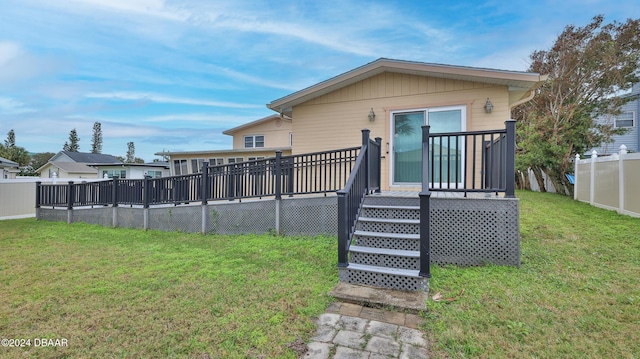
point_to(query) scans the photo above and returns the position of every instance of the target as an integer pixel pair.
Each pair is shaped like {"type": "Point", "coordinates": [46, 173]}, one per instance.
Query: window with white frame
{"type": "Point", "coordinates": [110, 173]}
{"type": "Point", "coordinates": [196, 165]}
{"type": "Point", "coordinates": [625, 119]}
{"type": "Point", "coordinates": [254, 141]}
{"type": "Point", "coordinates": [216, 161]}
{"type": "Point", "coordinates": [180, 167]}
{"type": "Point", "coordinates": [232, 160]}
{"type": "Point", "coordinates": [154, 174]}
{"type": "Point", "coordinates": [255, 158]}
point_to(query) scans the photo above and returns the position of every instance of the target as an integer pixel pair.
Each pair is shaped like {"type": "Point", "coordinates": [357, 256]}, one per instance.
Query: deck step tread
{"type": "Point", "coordinates": [386, 235]}
{"type": "Point", "coordinates": [414, 273]}
{"type": "Point", "coordinates": [384, 206]}
{"type": "Point", "coordinates": [389, 220]}
{"type": "Point", "coordinates": [385, 251]}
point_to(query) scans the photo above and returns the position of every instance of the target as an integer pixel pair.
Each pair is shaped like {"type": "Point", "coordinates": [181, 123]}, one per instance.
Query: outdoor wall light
{"type": "Point", "coordinates": [488, 106]}
{"type": "Point", "coordinates": [372, 115]}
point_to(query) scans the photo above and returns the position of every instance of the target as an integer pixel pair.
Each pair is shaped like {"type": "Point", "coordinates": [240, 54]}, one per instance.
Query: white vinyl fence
{"type": "Point", "coordinates": [611, 182]}
{"type": "Point", "coordinates": [18, 196]}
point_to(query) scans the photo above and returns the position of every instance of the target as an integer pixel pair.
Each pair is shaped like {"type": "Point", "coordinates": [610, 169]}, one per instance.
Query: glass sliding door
{"type": "Point", "coordinates": [447, 164]}
{"type": "Point", "coordinates": [407, 144]}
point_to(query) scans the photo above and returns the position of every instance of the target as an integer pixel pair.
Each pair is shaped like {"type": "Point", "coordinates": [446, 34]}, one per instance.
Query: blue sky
{"type": "Point", "coordinates": [172, 75]}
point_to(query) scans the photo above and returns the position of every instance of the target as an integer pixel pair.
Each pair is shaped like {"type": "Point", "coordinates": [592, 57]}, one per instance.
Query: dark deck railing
{"type": "Point", "coordinates": [475, 161]}
{"type": "Point", "coordinates": [478, 161]}
{"type": "Point", "coordinates": [364, 178]}
{"type": "Point", "coordinates": [319, 172]}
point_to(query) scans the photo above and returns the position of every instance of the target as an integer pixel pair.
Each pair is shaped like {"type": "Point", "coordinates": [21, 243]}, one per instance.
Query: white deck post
{"type": "Point", "coordinates": [623, 152]}
{"type": "Point", "coordinates": [592, 186]}
{"type": "Point", "coordinates": [575, 177]}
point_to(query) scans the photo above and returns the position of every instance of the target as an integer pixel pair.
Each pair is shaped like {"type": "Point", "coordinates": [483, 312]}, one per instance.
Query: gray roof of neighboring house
{"type": "Point", "coordinates": [8, 163]}
{"type": "Point", "coordinates": [83, 157]}
{"type": "Point", "coordinates": [148, 164]}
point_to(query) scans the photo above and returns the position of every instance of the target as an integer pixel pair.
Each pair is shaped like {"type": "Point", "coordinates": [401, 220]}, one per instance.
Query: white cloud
{"type": "Point", "coordinates": [18, 65]}
{"type": "Point", "coordinates": [154, 8]}
{"type": "Point", "coordinates": [143, 96]}
{"type": "Point", "coordinates": [8, 52]}
{"type": "Point", "coordinates": [11, 106]}
{"type": "Point", "coordinates": [201, 117]}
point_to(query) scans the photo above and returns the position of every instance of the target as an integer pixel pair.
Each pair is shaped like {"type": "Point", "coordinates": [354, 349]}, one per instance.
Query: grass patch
{"type": "Point", "coordinates": [576, 295]}
{"type": "Point", "coordinates": [130, 293]}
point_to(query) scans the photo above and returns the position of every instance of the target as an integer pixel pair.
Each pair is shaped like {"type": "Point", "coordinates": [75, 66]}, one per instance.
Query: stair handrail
{"type": "Point", "coordinates": [351, 197]}
{"type": "Point", "coordinates": [425, 209]}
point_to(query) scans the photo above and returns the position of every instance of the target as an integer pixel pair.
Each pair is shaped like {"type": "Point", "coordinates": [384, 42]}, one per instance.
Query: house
{"type": "Point", "coordinates": [628, 119]}
{"type": "Point", "coordinates": [393, 98]}
{"type": "Point", "coordinates": [132, 170]}
{"type": "Point", "coordinates": [388, 233]}
{"type": "Point", "coordinates": [67, 164]}
{"type": "Point", "coordinates": [251, 141]}
{"type": "Point", "coordinates": [8, 168]}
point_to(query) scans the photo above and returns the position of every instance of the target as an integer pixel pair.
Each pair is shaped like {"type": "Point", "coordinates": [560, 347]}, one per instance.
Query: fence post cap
{"type": "Point", "coordinates": [577, 156]}
{"type": "Point", "coordinates": [623, 149]}
{"type": "Point", "coordinates": [594, 154]}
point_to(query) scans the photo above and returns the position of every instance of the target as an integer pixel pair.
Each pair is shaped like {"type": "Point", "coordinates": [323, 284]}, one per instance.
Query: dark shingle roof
{"type": "Point", "coordinates": [82, 157]}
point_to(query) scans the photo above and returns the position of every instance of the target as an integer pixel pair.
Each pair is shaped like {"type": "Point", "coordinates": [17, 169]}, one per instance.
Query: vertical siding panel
{"type": "Point", "coordinates": [448, 85]}
{"type": "Point", "coordinates": [406, 85]}
{"type": "Point", "coordinates": [344, 94]}
{"type": "Point", "coordinates": [351, 90]}
{"type": "Point", "coordinates": [422, 87]}
{"type": "Point", "coordinates": [366, 89]}
{"type": "Point", "coordinates": [373, 90]}
{"type": "Point", "coordinates": [431, 85]}
{"type": "Point", "coordinates": [397, 85]}
{"type": "Point", "coordinates": [414, 84]}
{"type": "Point", "coordinates": [388, 84]}
{"type": "Point", "coordinates": [380, 86]}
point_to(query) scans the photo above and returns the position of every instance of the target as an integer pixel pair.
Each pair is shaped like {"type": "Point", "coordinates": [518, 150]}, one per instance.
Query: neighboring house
{"type": "Point", "coordinates": [252, 141]}
{"type": "Point", "coordinates": [627, 119]}
{"type": "Point", "coordinates": [393, 99]}
{"type": "Point", "coordinates": [8, 168]}
{"type": "Point", "coordinates": [66, 164]}
{"type": "Point", "coordinates": [133, 170]}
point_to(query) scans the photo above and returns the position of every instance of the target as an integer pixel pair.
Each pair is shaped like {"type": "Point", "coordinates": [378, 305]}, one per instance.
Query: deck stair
{"type": "Point", "coordinates": [384, 251]}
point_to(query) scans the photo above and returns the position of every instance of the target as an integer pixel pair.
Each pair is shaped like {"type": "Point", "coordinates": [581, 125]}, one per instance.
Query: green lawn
{"type": "Point", "coordinates": [576, 295]}
{"type": "Point", "coordinates": [129, 293]}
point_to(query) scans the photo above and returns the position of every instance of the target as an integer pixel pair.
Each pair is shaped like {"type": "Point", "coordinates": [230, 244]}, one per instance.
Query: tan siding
{"type": "Point", "coordinates": [422, 84]}
{"type": "Point", "coordinates": [631, 175]}
{"type": "Point", "coordinates": [334, 121]}
{"type": "Point", "coordinates": [274, 135]}
{"type": "Point", "coordinates": [366, 89]}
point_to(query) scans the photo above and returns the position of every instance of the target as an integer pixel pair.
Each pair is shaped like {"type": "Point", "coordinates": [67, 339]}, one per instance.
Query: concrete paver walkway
{"type": "Point", "coordinates": [349, 330]}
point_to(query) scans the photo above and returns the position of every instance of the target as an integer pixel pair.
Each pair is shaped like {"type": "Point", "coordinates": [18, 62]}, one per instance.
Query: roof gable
{"type": "Point", "coordinates": [231, 131]}
{"type": "Point", "coordinates": [519, 83]}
